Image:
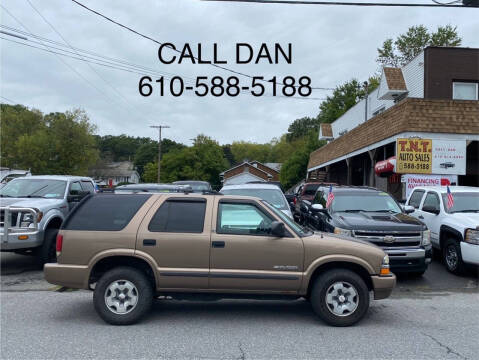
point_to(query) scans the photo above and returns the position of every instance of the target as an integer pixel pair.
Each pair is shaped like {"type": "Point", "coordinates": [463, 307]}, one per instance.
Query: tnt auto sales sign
{"type": "Point", "coordinates": [430, 156]}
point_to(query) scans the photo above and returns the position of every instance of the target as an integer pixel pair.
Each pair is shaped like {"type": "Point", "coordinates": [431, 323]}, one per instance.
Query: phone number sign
{"type": "Point", "coordinates": [430, 156]}
{"type": "Point", "coordinates": [413, 156]}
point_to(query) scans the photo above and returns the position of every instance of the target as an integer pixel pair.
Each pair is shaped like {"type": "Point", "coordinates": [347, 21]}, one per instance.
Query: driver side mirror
{"type": "Point", "coordinates": [278, 229]}
{"type": "Point", "coordinates": [408, 209]}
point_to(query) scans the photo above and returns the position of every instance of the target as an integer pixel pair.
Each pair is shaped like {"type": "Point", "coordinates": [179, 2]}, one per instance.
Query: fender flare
{"type": "Point", "coordinates": [50, 215]}
{"type": "Point", "coordinates": [329, 259]}
{"type": "Point", "coordinates": [449, 229]}
{"type": "Point", "coordinates": [110, 253]}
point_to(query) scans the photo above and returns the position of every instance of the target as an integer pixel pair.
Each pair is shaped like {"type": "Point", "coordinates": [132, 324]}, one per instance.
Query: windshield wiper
{"type": "Point", "coordinates": [30, 196]}
{"type": "Point", "coordinates": [350, 210]}
{"type": "Point", "coordinates": [466, 210]}
{"type": "Point", "coordinates": [384, 210]}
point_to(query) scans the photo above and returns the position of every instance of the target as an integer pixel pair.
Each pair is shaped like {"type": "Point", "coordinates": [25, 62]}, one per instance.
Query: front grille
{"type": "Point", "coordinates": [391, 239]}
{"type": "Point", "coordinates": [13, 218]}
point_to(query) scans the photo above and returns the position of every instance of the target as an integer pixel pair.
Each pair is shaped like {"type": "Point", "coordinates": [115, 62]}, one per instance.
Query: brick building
{"type": "Point", "coordinates": [251, 171]}
{"type": "Point", "coordinates": [433, 99]}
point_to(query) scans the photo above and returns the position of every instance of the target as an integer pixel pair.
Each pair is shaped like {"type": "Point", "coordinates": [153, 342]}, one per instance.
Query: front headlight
{"type": "Point", "coordinates": [339, 231]}
{"type": "Point", "coordinates": [426, 237]}
{"type": "Point", "coordinates": [27, 219]}
{"type": "Point", "coordinates": [472, 236]}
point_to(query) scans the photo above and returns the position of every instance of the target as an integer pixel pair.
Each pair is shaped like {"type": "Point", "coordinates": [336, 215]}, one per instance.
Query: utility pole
{"type": "Point", "coordinates": [159, 127]}
{"type": "Point", "coordinates": [366, 90]}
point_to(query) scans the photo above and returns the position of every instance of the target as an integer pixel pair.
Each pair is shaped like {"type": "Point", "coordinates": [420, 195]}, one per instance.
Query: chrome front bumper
{"type": "Point", "coordinates": [13, 236]}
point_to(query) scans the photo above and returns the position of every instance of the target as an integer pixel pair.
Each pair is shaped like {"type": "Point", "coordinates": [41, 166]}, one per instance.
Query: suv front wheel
{"type": "Point", "coordinates": [123, 296]}
{"type": "Point", "coordinates": [340, 297]}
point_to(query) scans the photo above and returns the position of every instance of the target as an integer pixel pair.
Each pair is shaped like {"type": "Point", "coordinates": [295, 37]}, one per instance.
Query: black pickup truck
{"type": "Point", "coordinates": [372, 215]}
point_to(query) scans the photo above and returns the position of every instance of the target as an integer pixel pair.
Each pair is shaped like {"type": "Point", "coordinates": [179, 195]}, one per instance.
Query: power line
{"type": "Point", "coordinates": [11, 101]}
{"type": "Point", "coordinates": [340, 3]}
{"type": "Point", "coordinates": [88, 64]}
{"type": "Point", "coordinates": [108, 59]}
{"type": "Point", "coordinates": [176, 50]}
{"type": "Point", "coordinates": [47, 48]}
{"type": "Point", "coordinates": [116, 64]}
{"type": "Point", "coordinates": [60, 58]}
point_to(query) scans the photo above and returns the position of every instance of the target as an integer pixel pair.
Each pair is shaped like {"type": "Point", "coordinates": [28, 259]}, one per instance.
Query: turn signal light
{"type": "Point", "coordinates": [384, 271]}
{"type": "Point", "coordinates": [22, 237]}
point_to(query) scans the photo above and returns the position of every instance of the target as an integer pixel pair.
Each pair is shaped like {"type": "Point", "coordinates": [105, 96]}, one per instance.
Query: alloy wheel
{"type": "Point", "coordinates": [342, 298]}
{"type": "Point", "coordinates": [452, 258]}
{"type": "Point", "coordinates": [121, 297]}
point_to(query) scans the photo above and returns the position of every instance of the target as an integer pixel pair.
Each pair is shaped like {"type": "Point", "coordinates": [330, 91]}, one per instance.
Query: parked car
{"type": "Point", "coordinates": [153, 188]}
{"type": "Point", "coordinates": [269, 192]}
{"type": "Point", "coordinates": [33, 208]}
{"type": "Point", "coordinates": [305, 192]}
{"type": "Point", "coordinates": [7, 175]}
{"type": "Point", "coordinates": [374, 216]}
{"type": "Point", "coordinates": [196, 186]}
{"type": "Point", "coordinates": [454, 231]}
{"type": "Point", "coordinates": [131, 248]}
{"type": "Point", "coordinates": [277, 183]}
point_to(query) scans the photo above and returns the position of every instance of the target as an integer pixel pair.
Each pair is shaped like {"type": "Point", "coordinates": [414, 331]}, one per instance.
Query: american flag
{"type": "Point", "coordinates": [450, 199]}
{"type": "Point", "coordinates": [330, 197]}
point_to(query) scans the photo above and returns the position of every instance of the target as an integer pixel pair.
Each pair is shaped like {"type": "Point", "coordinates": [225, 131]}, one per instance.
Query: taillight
{"type": "Point", "coordinates": [294, 200]}
{"type": "Point", "coordinates": [59, 243]}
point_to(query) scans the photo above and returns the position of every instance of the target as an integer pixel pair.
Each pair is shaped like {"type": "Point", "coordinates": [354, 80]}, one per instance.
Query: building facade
{"type": "Point", "coordinates": [251, 171]}
{"type": "Point", "coordinates": [431, 102]}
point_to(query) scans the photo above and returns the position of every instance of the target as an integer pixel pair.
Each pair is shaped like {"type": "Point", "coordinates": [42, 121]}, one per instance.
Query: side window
{"type": "Point", "coordinates": [75, 188]}
{"type": "Point", "coordinates": [431, 201]}
{"type": "Point", "coordinates": [415, 198]}
{"type": "Point", "coordinates": [242, 219]}
{"type": "Point", "coordinates": [105, 212]}
{"type": "Point", "coordinates": [319, 198]}
{"type": "Point", "coordinates": [87, 186]}
{"type": "Point", "coordinates": [179, 216]}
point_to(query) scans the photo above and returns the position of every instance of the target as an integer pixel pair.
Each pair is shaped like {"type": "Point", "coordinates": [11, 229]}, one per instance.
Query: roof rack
{"type": "Point", "coordinates": [204, 192]}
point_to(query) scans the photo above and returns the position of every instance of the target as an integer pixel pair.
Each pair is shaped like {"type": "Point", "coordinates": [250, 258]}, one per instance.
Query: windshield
{"type": "Point", "coordinates": [45, 188]}
{"type": "Point", "coordinates": [286, 219]}
{"type": "Point", "coordinates": [463, 202]}
{"type": "Point", "coordinates": [377, 202]}
{"type": "Point", "coordinates": [310, 189]}
{"type": "Point", "coordinates": [274, 196]}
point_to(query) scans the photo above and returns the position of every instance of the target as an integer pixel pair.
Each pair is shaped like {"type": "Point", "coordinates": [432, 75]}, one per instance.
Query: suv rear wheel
{"type": "Point", "coordinates": [340, 297]}
{"type": "Point", "coordinates": [123, 296]}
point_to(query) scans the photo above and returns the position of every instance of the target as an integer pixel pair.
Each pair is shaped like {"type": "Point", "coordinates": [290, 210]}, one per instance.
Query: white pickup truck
{"type": "Point", "coordinates": [454, 231]}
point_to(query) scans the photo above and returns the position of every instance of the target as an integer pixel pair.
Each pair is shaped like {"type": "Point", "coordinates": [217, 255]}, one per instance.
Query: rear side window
{"type": "Point", "coordinates": [179, 216]}
{"type": "Point", "coordinates": [105, 212]}
{"type": "Point", "coordinates": [87, 186]}
{"type": "Point", "coordinates": [415, 198]}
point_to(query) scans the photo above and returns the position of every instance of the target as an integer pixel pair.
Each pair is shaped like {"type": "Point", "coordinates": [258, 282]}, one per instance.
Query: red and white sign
{"type": "Point", "coordinates": [385, 167]}
{"type": "Point", "coordinates": [413, 180]}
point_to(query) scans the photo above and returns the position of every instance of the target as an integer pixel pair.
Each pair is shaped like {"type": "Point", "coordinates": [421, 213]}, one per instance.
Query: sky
{"type": "Point", "coordinates": [330, 44]}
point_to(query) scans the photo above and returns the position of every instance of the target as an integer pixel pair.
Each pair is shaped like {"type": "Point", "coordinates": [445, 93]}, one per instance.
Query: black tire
{"type": "Point", "coordinates": [456, 267]}
{"type": "Point", "coordinates": [326, 281]}
{"type": "Point", "coordinates": [144, 292]}
{"type": "Point", "coordinates": [47, 253]}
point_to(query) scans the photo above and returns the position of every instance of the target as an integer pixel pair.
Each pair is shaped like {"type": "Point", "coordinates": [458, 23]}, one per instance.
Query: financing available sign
{"type": "Point", "coordinates": [412, 180]}
{"type": "Point", "coordinates": [430, 156]}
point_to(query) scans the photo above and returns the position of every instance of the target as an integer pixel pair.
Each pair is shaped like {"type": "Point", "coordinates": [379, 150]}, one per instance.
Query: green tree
{"type": "Point", "coordinates": [57, 143]}
{"type": "Point", "coordinates": [148, 152]}
{"type": "Point", "coordinates": [399, 52]}
{"type": "Point", "coordinates": [302, 127]}
{"type": "Point", "coordinates": [150, 174]}
{"type": "Point", "coordinates": [243, 150]}
{"type": "Point", "coordinates": [344, 97]}
{"type": "Point", "coordinates": [295, 167]}
{"type": "Point", "coordinates": [202, 161]}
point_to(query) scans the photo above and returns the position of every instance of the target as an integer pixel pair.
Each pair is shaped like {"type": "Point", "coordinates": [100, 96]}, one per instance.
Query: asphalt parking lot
{"type": "Point", "coordinates": [436, 316]}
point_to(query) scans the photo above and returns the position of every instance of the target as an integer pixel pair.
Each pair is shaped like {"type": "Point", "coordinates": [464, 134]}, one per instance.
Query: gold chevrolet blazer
{"type": "Point", "coordinates": [131, 248]}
